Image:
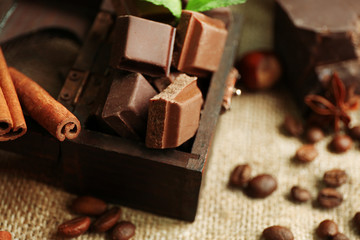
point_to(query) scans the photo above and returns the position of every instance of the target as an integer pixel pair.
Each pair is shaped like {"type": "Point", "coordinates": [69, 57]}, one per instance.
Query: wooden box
{"type": "Point", "coordinates": [165, 182]}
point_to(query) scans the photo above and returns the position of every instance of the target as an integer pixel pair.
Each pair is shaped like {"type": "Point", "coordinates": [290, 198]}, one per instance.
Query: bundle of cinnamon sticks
{"type": "Point", "coordinates": [18, 90]}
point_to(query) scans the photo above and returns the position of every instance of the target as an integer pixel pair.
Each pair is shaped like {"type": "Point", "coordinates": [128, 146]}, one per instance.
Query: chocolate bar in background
{"type": "Point", "coordinates": [174, 114]}
{"type": "Point", "coordinates": [199, 44]}
{"type": "Point", "coordinates": [143, 46]}
{"type": "Point", "coordinates": [126, 106]}
{"type": "Point", "coordinates": [310, 34]}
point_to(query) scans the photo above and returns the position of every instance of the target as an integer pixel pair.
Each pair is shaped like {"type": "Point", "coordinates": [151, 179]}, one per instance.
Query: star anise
{"type": "Point", "coordinates": [341, 101]}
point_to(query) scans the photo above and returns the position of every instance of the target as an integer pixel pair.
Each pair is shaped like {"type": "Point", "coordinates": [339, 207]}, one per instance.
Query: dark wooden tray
{"type": "Point", "coordinates": [165, 182]}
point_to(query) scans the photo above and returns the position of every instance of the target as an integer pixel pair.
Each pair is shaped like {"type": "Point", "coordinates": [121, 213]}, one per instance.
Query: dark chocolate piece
{"type": "Point", "coordinates": [199, 43]}
{"type": "Point", "coordinates": [313, 33]}
{"type": "Point", "coordinates": [174, 114]}
{"type": "Point", "coordinates": [142, 45]}
{"type": "Point", "coordinates": [126, 106]}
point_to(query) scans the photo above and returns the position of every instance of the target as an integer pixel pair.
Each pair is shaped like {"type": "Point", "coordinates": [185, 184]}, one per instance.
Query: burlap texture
{"type": "Point", "coordinates": [249, 133]}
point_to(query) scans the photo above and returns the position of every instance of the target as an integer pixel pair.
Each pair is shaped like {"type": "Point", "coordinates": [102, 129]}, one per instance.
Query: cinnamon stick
{"type": "Point", "coordinates": [12, 122]}
{"type": "Point", "coordinates": [44, 109]}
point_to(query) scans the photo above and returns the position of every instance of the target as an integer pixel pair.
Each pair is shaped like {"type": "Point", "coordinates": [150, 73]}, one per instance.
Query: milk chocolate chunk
{"type": "Point", "coordinates": [199, 43]}
{"type": "Point", "coordinates": [174, 114]}
{"type": "Point", "coordinates": [126, 106]}
{"type": "Point", "coordinates": [310, 34]}
{"type": "Point", "coordinates": [143, 46]}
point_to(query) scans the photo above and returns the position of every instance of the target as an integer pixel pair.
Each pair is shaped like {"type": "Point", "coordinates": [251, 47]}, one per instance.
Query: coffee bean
{"type": "Point", "coordinates": [329, 198]}
{"type": "Point", "coordinates": [292, 126]}
{"type": "Point", "coordinates": [123, 231]}
{"type": "Point", "coordinates": [327, 229]}
{"type": "Point", "coordinates": [278, 233]}
{"type": "Point", "coordinates": [240, 176]}
{"type": "Point", "coordinates": [5, 235]}
{"type": "Point", "coordinates": [107, 220]}
{"type": "Point", "coordinates": [354, 132]}
{"type": "Point", "coordinates": [335, 177]}
{"type": "Point", "coordinates": [340, 236]}
{"type": "Point", "coordinates": [341, 143]}
{"type": "Point", "coordinates": [306, 153]}
{"type": "Point", "coordinates": [356, 220]}
{"type": "Point", "coordinates": [74, 227]}
{"type": "Point", "coordinates": [261, 186]}
{"type": "Point", "coordinates": [314, 134]}
{"type": "Point", "coordinates": [88, 206]}
{"type": "Point", "coordinates": [299, 194]}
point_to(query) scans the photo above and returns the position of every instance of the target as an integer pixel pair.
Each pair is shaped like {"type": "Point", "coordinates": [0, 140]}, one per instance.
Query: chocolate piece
{"type": "Point", "coordinates": [142, 45]}
{"type": "Point", "coordinates": [309, 34]}
{"type": "Point", "coordinates": [199, 43]}
{"type": "Point", "coordinates": [174, 114]}
{"type": "Point", "coordinates": [126, 106]}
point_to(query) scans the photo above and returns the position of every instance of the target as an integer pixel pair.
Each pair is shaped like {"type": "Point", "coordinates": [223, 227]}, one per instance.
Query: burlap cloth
{"type": "Point", "coordinates": [249, 133]}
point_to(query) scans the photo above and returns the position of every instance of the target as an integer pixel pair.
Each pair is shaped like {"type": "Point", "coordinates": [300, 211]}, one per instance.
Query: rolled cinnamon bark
{"type": "Point", "coordinates": [44, 109]}
{"type": "Point", "coordinates": [12, 122]}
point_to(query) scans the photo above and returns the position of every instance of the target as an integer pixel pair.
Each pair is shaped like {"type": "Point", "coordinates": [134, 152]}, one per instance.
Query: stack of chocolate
{"type": "Point", "coordinates": [315, 39]}
{"type": "Point", "coordinates": [154, 95]}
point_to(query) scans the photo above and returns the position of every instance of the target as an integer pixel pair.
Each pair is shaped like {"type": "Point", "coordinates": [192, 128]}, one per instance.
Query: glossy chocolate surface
{"type": "Point", "coordinates": [143, 46]}
{"type": "Point", "coordinates": [126, 106]}
{"type": "Point", "coordinates": [199, 43]}
{"type": "Point", "coordinates": [174, 114]}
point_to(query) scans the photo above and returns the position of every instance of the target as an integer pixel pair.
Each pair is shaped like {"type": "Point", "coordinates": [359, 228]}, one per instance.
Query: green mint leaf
{"type": "Point", "coordinates": [205, 5]}
{"type": "Point", "coordinates": [174, 6]}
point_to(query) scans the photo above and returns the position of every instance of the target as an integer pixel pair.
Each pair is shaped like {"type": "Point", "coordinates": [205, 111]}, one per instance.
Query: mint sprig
{"type": "Point", "coordinates": [174, 6]}
{"type": "Point", "coordinates": [205, 5]}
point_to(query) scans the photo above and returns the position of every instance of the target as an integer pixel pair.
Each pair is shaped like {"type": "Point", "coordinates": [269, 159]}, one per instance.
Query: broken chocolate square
{"type": "Point", "coordinates": [174, 114]}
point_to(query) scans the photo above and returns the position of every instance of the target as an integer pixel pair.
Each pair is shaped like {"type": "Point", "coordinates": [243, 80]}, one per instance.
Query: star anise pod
{"type": "Point", "coordinates": [344, 100]}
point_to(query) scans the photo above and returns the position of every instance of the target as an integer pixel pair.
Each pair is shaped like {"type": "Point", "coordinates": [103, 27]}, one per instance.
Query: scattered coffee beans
{"type": "Point", "coordinates": [354, 132]}
{"type": "Point", "coordinates": [335, 177]}
{"type": "Point", "coordinates": [306, 153]}
{"type": "Point", "coordinates": [261, 186]}
{"type": "Point", "coordinates": [74, 227]}
{"type": "Point", "coordinates": [340, 236]}
{"type": "Point", "coordinates": [329, 198]}
{"type": "Point", "coordinates": [278, 233]}
{"type": "Point", "coordinates": [87, 205]}
{"type": "Point", "coordinates": [341, 143]}
{"type": "Point", "coordinates": [292, 126]}
{"type": "Point", "coordinates": [123, 231]}
{"type": "Point", "coordinates": [240, 176]}
{"type": "Point", "coordinates": [107, 220]}
{"type": "Point", "coordinates": [5, 235]}
{"type": "Point", "coordinates": [314, 134]}
{"type": "Point", "coordinates": [357, 220]}
{"type": "Point", "coordinates": [299, 194]}
{"type": "Point", "coordinates": [327, 229]}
